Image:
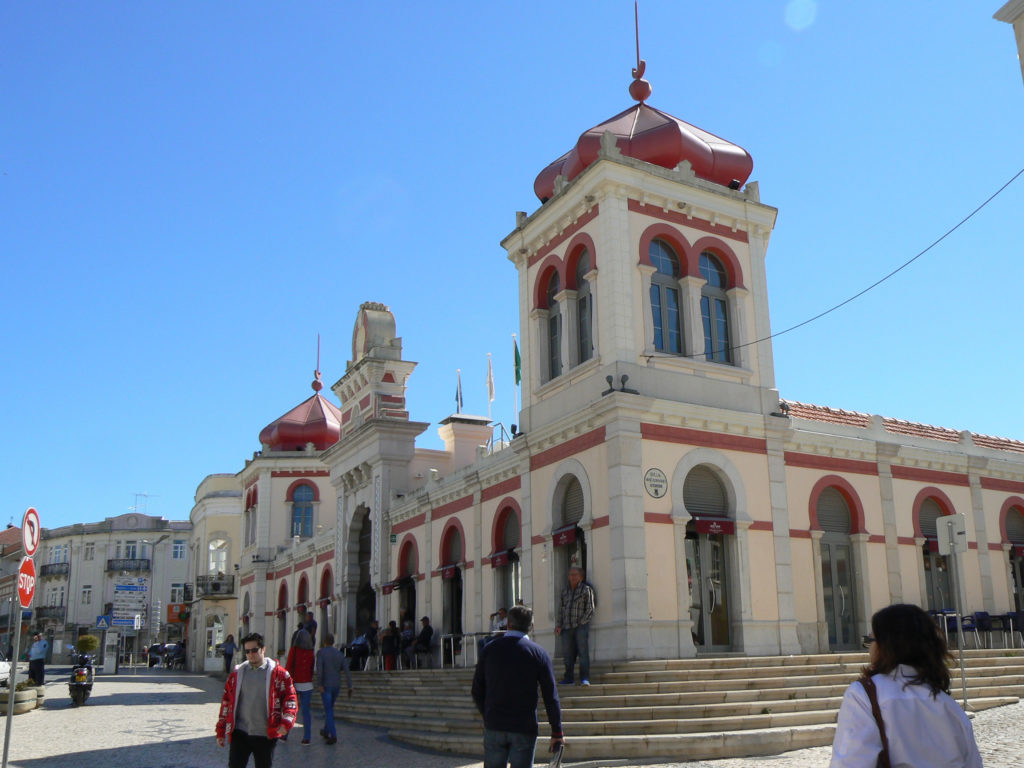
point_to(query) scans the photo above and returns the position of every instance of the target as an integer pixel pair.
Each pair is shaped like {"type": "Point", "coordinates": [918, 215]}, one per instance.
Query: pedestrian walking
{"type": "Point", "coordinates": [228, 648]}
{"type": "Point", "coordinates": [300, 666]}
{"type": "Point", "coordinates": [37, 658]}
{"type": "Point", "coordinates": [258, 707]}
{"type": "Point", "coordinates": [574, 616]}
{"type": "Point", "coordinates": [505, 683]}
{"type": "Point", "coordinates": [330, 662]}
{"type": "Point", "coordinates": [900, 712]}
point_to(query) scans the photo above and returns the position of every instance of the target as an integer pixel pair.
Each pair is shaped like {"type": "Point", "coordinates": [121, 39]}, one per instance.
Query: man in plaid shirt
{"type": "Point", "coordinates": [574, 626]}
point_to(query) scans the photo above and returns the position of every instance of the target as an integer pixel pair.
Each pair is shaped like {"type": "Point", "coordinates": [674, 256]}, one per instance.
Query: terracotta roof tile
{"type": "Point", "coordinates": [830, 415]}
{"type": "Point", "coordinates": [901, 427]}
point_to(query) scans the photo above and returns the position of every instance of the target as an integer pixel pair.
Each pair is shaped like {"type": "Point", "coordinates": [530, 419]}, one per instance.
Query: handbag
{"type": "Point", "coordinates": [869, 687]}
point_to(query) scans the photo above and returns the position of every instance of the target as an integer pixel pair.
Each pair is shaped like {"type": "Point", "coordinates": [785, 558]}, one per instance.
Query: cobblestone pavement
{"type": "Point", "coordinates": [160, 719]}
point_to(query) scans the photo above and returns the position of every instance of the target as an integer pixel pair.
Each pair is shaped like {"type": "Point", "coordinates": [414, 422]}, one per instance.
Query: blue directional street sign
{"type": "Point", "coordinates": [103, 622]}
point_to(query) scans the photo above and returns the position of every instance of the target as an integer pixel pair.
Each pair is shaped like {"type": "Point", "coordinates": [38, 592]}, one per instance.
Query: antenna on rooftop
{"type": "Point", "coordinates": [145, 505]}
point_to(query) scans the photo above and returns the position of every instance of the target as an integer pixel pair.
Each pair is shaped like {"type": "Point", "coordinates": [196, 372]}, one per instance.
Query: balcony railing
{"type": "Point", "coordinates": [54, 612]}
{"type": "Point", "coordinates": [213, 586]}
{"type": "Point", "coordinates": [54, 569]}
{"type": "Point", "coordinates": [128, 564]}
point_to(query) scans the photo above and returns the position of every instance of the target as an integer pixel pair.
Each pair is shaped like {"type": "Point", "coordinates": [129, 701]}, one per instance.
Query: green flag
{"type": "Point", "coordinates": [518, 361]}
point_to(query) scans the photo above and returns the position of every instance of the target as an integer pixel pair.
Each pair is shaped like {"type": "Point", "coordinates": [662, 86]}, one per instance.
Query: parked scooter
{"type": "Point", "coordinates": [80, 684]}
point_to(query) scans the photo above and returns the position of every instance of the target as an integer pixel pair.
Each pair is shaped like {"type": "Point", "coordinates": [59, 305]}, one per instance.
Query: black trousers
{"type": "Point", "coordinates": [35, 670]}
{"type": "Point", "coordinates": [242, 745]}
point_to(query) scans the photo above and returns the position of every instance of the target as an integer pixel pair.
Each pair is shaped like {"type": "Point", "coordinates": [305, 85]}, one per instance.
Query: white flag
{"type": "Point", "coordinates": [490, 379]}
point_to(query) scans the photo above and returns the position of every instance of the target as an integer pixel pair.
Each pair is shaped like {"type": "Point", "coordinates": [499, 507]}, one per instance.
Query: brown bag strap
{"type": "Point", "coordinates": [869, 687]}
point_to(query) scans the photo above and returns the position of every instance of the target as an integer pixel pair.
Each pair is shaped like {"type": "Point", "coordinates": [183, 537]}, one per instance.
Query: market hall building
{"type": "Point", "coordinates": [653, 448]}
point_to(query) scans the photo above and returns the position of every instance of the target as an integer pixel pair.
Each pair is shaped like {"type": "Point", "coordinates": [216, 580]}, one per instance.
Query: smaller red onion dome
{"type": "Point", "coordinates": [316, 420]}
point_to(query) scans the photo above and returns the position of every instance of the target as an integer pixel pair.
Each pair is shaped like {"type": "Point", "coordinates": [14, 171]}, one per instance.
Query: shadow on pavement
{"type": "Point", "coordinates": [189, 753]}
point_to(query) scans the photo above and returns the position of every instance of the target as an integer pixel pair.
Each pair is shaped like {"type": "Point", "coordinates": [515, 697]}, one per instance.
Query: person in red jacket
{"type": "Point", "coordinates": [258, 707]}
{"type": "Point", "coordinates": [300, 666]}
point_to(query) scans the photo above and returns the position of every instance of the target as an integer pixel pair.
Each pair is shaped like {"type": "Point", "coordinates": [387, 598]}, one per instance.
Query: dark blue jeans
{"type": "Point", "coordinates": [576, 642]}
{"type": "Point", "coordinates": [307, 717]}
{"type": "Point", "coordinates": [329, 696]}
{"type": "Point", "coordinates": [505, 749]}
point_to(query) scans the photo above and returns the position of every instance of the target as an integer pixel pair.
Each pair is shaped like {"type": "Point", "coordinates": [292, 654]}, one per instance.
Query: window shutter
{"type": "Point", "coordinates": [1015, 526]}
{"type": "Point", "coordinates": [833, 512]}
{"type": "Point", "coordinates": [704, 494]}
{"type": "Point", "coordinates": [510, 532]}
{"type": "Point", "coordinates": [930, 513]}
{"type": "Point", "coordinates": [572, 504]}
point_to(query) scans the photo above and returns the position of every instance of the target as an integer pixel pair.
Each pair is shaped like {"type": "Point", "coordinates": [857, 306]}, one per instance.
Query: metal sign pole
{"type": "Point", "coordinates": [11, 682]}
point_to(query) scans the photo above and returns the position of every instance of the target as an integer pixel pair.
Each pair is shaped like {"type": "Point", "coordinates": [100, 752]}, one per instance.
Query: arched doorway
{"type": "Point", "coordinates": [326, 582]}
{"type": "Point", "coordinates": [366, 603]}
{"type": "Point", "coordinates": [505, 560]}
{"type": "Point", "coordinates": [837, 576]}
{"type": "Point", "coordinates": [407, 564]}
{"type": "Point", "coordinates": [302, 604]}
{"type": "Point", "coordinates": [1015, 533]}
{"type": "Point", "coordinates": [707, 566]}
{"type": "Point", "coordinates": [282, 619]}
{"type": "Point", "coordinates": [569, 540]}
{"type": "Point", "coordinates": [451, 578]}
{"type": "Point", "coordinates": [936, 566]}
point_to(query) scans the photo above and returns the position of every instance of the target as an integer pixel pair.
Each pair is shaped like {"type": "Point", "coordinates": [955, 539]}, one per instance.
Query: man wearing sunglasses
{"type": "Point", "coordinates": [259, 707]}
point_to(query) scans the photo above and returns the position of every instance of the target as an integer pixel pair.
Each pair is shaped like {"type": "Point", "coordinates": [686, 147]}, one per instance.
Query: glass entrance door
{"type": "Point", "coordinates": [837, 588]}
{"type": "Point", "coordinates": [707, 574]}
{"type": "Point", "coordinates": [936, 579]}
{"type": "Point", "coordinates": [1017, 575]}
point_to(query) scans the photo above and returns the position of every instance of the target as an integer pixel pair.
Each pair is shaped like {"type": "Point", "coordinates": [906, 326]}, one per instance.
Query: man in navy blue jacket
{"type": "Point", "coordinates": [505, 691]}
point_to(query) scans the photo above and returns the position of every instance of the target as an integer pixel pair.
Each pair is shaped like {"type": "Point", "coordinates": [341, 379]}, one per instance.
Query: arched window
{"type": "Point", "coordinates": [302, 511]}
{"type": "Point", "coordinates": [570, 542]}
{"type": "Point", "coordinates": [665, 298]}
{"type": "Point", "coordinates": [714, 309]}
{"type": "Point", "coordinates": [554, 328]}
{"type": "Point", "coordinates": [584, 309]}
{"type": "Point", "coordinates": [704, 494]}
{"type": "Point", "coordinates": [936, 566]}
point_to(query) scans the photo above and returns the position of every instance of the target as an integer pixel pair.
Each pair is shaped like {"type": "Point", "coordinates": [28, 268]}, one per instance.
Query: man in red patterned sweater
{"type": "Point", "coordinates": [258, 707]}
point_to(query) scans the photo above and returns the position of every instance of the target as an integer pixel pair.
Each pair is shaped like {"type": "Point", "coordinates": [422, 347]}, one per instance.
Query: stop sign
{"type": "Point", "coordinates": [26, 581]}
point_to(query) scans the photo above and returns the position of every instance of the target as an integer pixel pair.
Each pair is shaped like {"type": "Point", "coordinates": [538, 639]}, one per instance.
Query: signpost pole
{"type": "Point", "coordinates": [10, 686]}
{"type": "Point", "coordinates": [30, 532]}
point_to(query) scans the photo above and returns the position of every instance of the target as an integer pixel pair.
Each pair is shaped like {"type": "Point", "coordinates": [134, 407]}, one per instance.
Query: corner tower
{"type": "Point", "coordinates": [645, 264]}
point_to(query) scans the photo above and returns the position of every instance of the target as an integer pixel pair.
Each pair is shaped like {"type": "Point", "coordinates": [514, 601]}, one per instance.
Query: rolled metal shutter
{"type": "Point", "coordinates": [572, 503]}
{"type": "Point", "coordinates": [704, 494]}
{"type": "Point", "coordinates": [833, 512]}
{"type": "Point", "coordinates": [930, 513]}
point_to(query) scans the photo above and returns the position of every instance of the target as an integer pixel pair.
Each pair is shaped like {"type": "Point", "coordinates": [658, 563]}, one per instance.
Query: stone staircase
{"type": "Point", "coordinates": [681, 708]}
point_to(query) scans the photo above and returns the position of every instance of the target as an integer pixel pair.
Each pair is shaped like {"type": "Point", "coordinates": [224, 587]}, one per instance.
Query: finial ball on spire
{"type": "Point", "coordinates": [318, 383]}
{"type": "Point", "coordinates": [640, 90]}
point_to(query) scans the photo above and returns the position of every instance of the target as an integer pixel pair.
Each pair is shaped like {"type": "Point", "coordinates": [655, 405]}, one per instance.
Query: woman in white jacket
{"type": "Point", "coordinates": [924, 726]}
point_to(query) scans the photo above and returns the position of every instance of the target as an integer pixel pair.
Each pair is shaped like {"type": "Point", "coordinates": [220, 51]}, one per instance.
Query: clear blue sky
{"type": "Point", "coordinates": [191, 191]}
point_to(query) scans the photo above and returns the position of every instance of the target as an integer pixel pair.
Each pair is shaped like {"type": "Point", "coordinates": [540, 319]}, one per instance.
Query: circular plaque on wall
{"type": "Point", "coordinates": [655, 482]}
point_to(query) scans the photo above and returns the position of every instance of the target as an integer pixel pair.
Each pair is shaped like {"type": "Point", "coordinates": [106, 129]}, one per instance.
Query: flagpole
{"type": "Point", "coordinates": [515, 388]}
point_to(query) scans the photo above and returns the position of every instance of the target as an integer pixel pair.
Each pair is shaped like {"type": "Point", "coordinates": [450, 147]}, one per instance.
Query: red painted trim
{"type": "Point", "coordinates": [812, 461]}
{"type": "Point", "coordinates": [659, 518]}
{"type": "Point", "coordinates": [905, 540]}
{"type": "Point", "coordinates": [304, 564]}
{"type": "Point", "coordinates": [931, 492]}
{"type": "Point", "coordinates": [972, 545]}
{"type": "Point", "coordinates": [270, 576]}
{"type": "Point", "coordinates": [929, 476]}
{"type": "Point", "coordinates": [283, 572]}
{"type": "Point", "coordinates": [600, 522]}
{"type": "Point", "coordinates": [502, 488]}
{"type": "Point", "coordinates": [568, 448]}
{"type": "Point", "coordinates": [392, 399]}
{"type": "Point", "coordinates": [551, 266]}
{"type": "Point", "coordinates": [301, 473]}
{"type": "Point", "coordinates": [725, 255]}
{"type": "Point", "coordinates": [876, 538]}
{"type": "Point", "coordinates": [581, 242]}
{"type": "Point", "coordinates": [451, 507]}
{"type": "Point", "coordinates": [762, 525]}
{"type": "Point", "coordinates": [270, 613]}
{"type": "Point", "coordinates": [324, 557]}
{"type": "Point", "coordinates": [995, 547]}
{"type": "Point", "coordinates": [537, 540]}
{"type": "Point", "coordinates": [326, 580]}
{"type": "Point", "coordinates": [388, 378]}
{"type": "Point", "coordinates": [560, 238]}
{"type": "Point", "coordinates": [247, 580]}
{"type": "Point", "coordinates": [346, 416]}
{"type": "Point", "coordinates": [1013, 502]}
{"type": "Point", "coordinates": [364, 403]}
{"type": "Point", "coordinates": [798, 533]}
{"type": "Point", "coordinates": [289, 494]}
{"type": "Point", "coordinates": [997, 484]}
{"type": "Point", "coordinates": [403, 552]}
{"type": "Point", "coordinates": [507, 507]}
{"type": "Point", "coordinates": [674, 238]}
{"type": "Point", "coordinates": [485, 560]}
{"type": "Point", "coordinates": [668, 434]}
{"type": "Point", "coordinates": [468, 564]}
{"type": "Point", "coordinates": [302, 594]}
{"type": "Point", "coordinates": [681, 218]}
{"type": "Point", "coordinates": [842, 485]}
{"type": "Point", "coordinates": [282, 596]}
{"type": "Point", "coordinates": [452, 527]}
{"type": "Point", "coordinates": [408, 525]}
